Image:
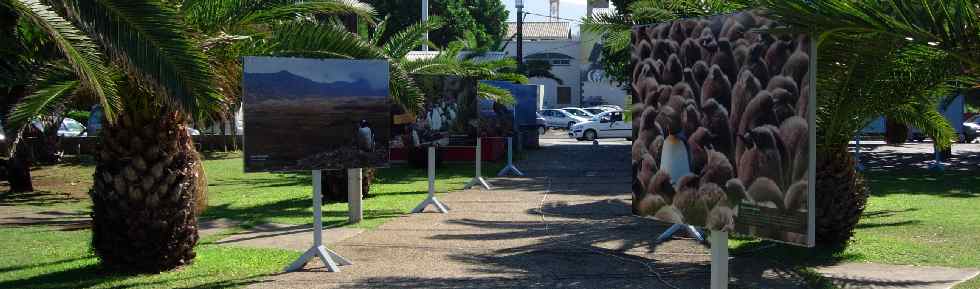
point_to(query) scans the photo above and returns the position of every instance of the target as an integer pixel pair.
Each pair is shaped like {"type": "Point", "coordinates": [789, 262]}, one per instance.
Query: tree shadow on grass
{"type": "Point", "coordinates": [953, 184]}
{"type": "Point", "coordinates": [288, 208]}
{"type": "Point", "coordinates": [35, 198]}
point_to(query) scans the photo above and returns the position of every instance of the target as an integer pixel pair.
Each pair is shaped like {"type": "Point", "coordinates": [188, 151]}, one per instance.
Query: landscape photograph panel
{"type": "Point", "coordinates": [722, 120]}
{"type": "Point", "coordinates": [315, 114]}
{"type": "Point", "coordinates": [449, 116]}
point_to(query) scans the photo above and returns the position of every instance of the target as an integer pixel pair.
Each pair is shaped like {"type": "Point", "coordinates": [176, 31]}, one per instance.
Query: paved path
{"type": "Point", "coordinates": [878, 276]}
{"type": "Point", "coordinates": [568, 225]}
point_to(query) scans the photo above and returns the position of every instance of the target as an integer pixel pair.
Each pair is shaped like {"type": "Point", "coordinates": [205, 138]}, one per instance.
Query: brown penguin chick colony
{"type": "Point", "coordinates": [656, 147]}
{"type": "Point", "coordinates": [673, 73]}
{"type": "Point", "coordinates": [669, 120]}
{"type": "Point", "coordinates": [777, 55]}
{"type": "Point", "coordinates": [735, 191]}
{"type": "Point", "coordinates": [700, 71]}
{"type": "Point", "coordinates": [714, 117]}
{"type": "Point", "coordinates": [802, 104]}
{"type": "Point", "coordinates": [783, 82]}
{"type": "Point", "coordinates": [690, 52]}
{"type": "Point", "coordinates": [784, 104]}
{"type": "Point", "coordinates": [691, 117]}
{"type": "Point", "coordinates": [669, 214]}
{"type": "Point", "coordinates": [683, 90]}
{"type": "Point", "coordinates": [648, 167]}
{"type": "Point", "coordinates": [649, 205]}
{"type": "Point", "coordinates": [756, 63]}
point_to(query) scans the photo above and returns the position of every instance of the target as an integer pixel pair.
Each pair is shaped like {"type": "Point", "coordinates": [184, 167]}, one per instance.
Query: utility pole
{"type": "Point", "coordinates": [520, 35]}
{"type": "Point", "coordinates": [425, 18]}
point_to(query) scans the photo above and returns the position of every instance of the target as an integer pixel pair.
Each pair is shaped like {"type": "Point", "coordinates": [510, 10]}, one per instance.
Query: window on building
{"type": "Point", "coordinates": [564, 95]}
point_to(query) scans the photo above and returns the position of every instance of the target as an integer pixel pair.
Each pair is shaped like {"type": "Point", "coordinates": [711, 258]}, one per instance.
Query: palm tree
{"type": "Point", "coordinates": [893, 58]}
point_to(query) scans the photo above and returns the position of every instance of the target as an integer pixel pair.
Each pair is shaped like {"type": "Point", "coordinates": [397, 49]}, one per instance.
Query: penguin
{"type": "Point", "coordinates": [717, 87]}
{"type": "Point", "coordinates": [673, 72]}
{"type": "Point", "coordinates": [725, 58]}
{"type": "Point", "coordinates": [721, 218]}
{"type": "Point", "coordinates": [796, 196]}
{"type": "Point", "coordinates": [365, 137]}
{"type": "Point", "coordinates": [784, 103]}
{"type": "Point", "coordinates": [795, 135]}
{"type": "Point", "coordinates": [693, 84]}
{"type": "Point", "coordinates": [777, 55]}
{"type": "Point", "coordinates": [674, 158]}
{"type": "Point", "coordinates": [700, 71]}
{"type": "Point", "coordinates": [718, 169]}
{"type": "Point", "coordinates": [744, 90]}
{"type": "Point", "coordinates": [714, 117]}
{"type": "Point", "coordinates": [797, 65]}
{"type": "Point", "coordinates": [784, 82]}
{"type": "Point", "coordinates": [764, 190]}
{"type": "Point", "coordinates": [757, 63]}
{"type": "Point", "coordinates": [690, 52]}
{"type": "Point", "coordinates": [764, 156]}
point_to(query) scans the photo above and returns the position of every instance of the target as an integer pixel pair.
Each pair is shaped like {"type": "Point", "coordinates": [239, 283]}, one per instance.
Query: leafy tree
{"type": "Point", "coordinates": [480, 20]}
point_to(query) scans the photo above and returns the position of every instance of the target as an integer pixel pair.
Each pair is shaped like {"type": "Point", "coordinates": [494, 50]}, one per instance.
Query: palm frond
{"type": "Point", "coordinates": [406, 40]}
{"type": "Point", "coordinates": [496, 94]}
{"type": "Point", "coordinates": [79, 51]}
{"type": "Point", "coordinates": [213, 15]}
{"type": "Point", "coordinates": [41, 102]}
{"type": "Point", "coordinates": [148, 37]}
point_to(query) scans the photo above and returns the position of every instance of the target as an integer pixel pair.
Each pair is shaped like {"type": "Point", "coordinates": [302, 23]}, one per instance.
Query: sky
{"type": "Point", "coordinates": [570, 9]}
{"type": "Point", "coordinates": [324, 70]}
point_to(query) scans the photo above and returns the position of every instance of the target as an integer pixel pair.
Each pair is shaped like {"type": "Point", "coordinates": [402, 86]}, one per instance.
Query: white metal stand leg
{"type": "Point", "coordinates": [857, 154]}
{"type": "Point", "coordinates": [510, 168]}
{"type": "Point", "coordinates": [677, 227]}
{"type": "Point", "coordinates": [330, 258]}
{"type": "Point", "coordinates": [354, 195]}
{"type": "Point", "coordinates": [719, 260]}
{"type": "Point", "coordinates": [478, 179]}
{"type": "Point", "coordinates": [431, 199]}
{"type": "Point", "coordinates": [938, 165]}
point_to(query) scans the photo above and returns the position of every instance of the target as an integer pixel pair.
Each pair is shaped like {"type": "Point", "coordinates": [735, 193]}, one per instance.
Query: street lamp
{"type": "Point", "coordinates": [520, 34]}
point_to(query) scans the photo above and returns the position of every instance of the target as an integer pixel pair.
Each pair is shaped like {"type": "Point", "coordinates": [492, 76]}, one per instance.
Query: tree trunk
{"type": "Point", "coordinates": [18, 167]}
{"type": "Point", "coordinates": [334, 184]}
{"type": "Point", "coordinates": [144, 217]}
{"type": "Point", "coordinates": [895, 132]}
{"type": "Point", "coordinates": [841, 197]}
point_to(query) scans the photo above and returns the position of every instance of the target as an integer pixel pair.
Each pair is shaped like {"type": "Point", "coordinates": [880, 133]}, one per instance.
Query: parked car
{"type": "Point", "coordinates": [560, 118]}
{"type": "Point", "coordinates": [609, 124]}
{"type": "Point", "coordinates": [579, 112]}
{"type": "Point", "coordinates": [542, 123]}
{"type": "Point", "coordinates": [68, 128]}
{"type": "Point", "coordinates": [971, 129]}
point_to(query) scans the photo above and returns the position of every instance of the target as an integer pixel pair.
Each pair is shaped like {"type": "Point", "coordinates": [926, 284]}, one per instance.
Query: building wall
{"type": "Point", "coordinates": [570, 74]}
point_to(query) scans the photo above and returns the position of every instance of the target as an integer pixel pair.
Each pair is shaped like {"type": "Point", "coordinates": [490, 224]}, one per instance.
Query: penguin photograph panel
{"type": "Point", "coordinates": [722, 126]}
{"type": "Point", "coordinates": [449, 115]}
{"type": "Point", "coordinates": [315, 114]}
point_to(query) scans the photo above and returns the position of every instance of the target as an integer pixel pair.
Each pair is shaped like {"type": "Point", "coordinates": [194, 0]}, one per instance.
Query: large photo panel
{"type": "Point", "coordinates": [315, 114]}
{"type": "Point", "coordinates": [449, 116]}
{"type": "Point", "coordinates": [722, 124]}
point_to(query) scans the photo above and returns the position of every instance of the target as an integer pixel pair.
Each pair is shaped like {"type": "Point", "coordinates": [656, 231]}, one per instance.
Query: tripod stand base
{"type": "Point", "coordinates": [677, 227]}
{"type": "Point", "coordinates": [330, 259]}
{"type": "Point", "coordinates": [431, 200]}
{"type": "Point", "coordinates": [510, 169]}
{"type": "Point", "coordinates": [477, 181]}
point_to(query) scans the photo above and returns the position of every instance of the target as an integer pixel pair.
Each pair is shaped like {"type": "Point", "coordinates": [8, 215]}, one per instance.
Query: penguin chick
{"type": "Point", "coordinates": [691, 117]}
{"type": "Point", "coordinates": [796, 196]}
{"type": "Point", "coordinates": [656, 147]}
{"type": "Point", "coordinates": [700, 71]}
{"type": "Point", "coordinates": [795, 135]}
{"type": "Point", "coordinates": [802, 104]}
{"type": "Point", "coordinates": [669, 214]}
{"type": "Point", "coordinates": [690, 52]}
{"type": "Point", "coordinates": [757, 64]}
{"type": "Point", "coordinates": [718, 169]}
{"type": "Point", "coordinates": [647, 88]}
{"type": "Point", "coordinates": [648, 205]}
{"type": "Point", "coordinates": [783, 104]}
{"type": "Point", "coordinates": [783, 82]}
{"type": "Point", "coordinates": [735, 191]}
{"type": "Point", "coordinates": [777, 55]}
{"type": "Point", "coordinates": [714, 117]}
{"type": "Point", "coordinates": [764, 190]}
{"type": "Point", "coordinates": [694, 203]}
{"type": "Point", "coordinates": [677, 32]}
{"type": "Point", "coordinates": [725, 58]}
{"type": "Point", "coordinates": [669, 120]}
{"type": "Point", "coordinates": [660, 185]}
{"type": "Point", "coordinates": [694, 85]}
{"type": "Point", "coordinates": [721, 218]}
{"type": "Point", "coordinates": [764, 158]}
{"type": "Point", "coordinates": [648, 167]}
{"type": "Point", "coordinates": [717, 87]}
{"type": "Point", "coordinates": [797, 66]}
{"type": "Point", "coordinates": [696, 144]}
{"type": "Point", "coordinates": [673, 72]}
{"type": "Point", "coordinates": [745, 89]}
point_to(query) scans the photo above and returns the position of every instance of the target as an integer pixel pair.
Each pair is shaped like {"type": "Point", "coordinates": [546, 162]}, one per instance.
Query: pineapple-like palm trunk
{"type": "Point", "coordinates": [841, 197]}
{"type": "Point", "coordinates": [144, 217]}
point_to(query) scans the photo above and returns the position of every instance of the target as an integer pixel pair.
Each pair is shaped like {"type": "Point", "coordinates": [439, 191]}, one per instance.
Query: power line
{"type": "Point", "coordinates": [566, 19]}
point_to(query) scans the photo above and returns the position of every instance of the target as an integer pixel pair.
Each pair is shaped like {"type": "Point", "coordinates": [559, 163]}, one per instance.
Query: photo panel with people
{"type": "Point", "coordinates": [315, 114]}
{"type": "Point", "coordinates": [449, 114]}
{"type": "Point", "coordinates": [722, 126]}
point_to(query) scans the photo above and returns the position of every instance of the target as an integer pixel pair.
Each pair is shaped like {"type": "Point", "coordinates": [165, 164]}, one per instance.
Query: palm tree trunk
{"type": "Point", "coordinates": [18, 167]}
{"type": "Point", "coordinates": [841, 197]}
{"type": "Point", "coordinates": [144, 217]}
{"type": "Point", "coordinates": [895, 132]}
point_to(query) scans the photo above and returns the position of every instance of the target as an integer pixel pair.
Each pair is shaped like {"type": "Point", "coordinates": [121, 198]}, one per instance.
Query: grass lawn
{"type": "Point", "coordinates": [53, 257]}
{"type": "Point", "coordinates": [912, 218]}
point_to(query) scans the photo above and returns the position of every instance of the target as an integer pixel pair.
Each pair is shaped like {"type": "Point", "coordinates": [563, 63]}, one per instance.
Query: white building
{"type": "Point", "coordinates": [574, 60]}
